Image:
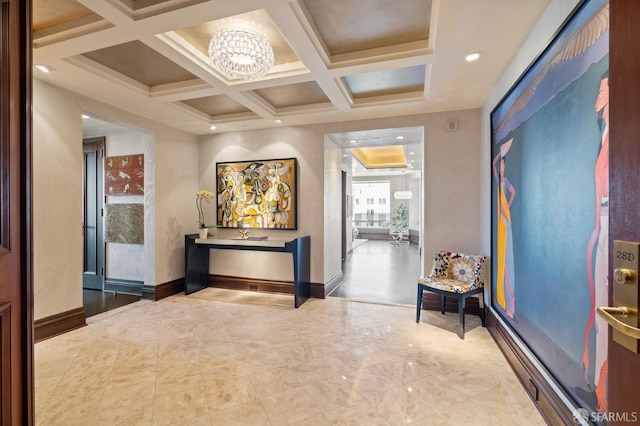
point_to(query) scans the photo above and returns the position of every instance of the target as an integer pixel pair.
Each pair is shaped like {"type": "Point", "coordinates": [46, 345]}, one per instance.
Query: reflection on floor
{"type": "Point", "coordinates": [378, 271]}
{"type": "Point", "coordinates": [358, 242]}
{"type": "Point", "coordinates": [224, 357]}
{"type": "Point", "coordinates": [96, 301]}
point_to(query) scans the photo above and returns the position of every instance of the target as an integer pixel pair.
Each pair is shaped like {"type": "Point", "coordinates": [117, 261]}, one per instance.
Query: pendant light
{"type": "Point", "coordinates": [402, 194]}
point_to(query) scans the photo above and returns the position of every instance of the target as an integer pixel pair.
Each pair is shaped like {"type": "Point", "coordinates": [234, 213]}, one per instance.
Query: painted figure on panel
{"type": "Point", "coordinates": [506, 193]}
{"type": "Point", "coordinates": [598, 248]}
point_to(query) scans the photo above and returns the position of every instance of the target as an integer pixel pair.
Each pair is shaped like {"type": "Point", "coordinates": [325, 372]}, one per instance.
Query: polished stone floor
{"type": "Point", "coordinates": [377, 271]}
{"type": "Point", "coordinates": [224, 357]}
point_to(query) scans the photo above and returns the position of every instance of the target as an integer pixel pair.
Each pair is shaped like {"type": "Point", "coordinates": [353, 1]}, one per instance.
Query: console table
{"type": "Point", "coordinates": [196, 260]}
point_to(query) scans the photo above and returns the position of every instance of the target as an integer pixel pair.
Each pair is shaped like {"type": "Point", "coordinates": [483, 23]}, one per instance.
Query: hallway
{"type": "Point", "coordinates": [225, 357]}
{"type": "Point", "coordinates": [380, 272]}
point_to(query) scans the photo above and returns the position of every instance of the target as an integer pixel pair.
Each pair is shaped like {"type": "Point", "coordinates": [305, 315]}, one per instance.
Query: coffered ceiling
{"type": "Point", "coordinates": [335, 60]}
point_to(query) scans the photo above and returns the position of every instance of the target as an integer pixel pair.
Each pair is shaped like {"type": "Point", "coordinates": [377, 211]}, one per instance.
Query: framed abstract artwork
{"type": "Point", "coordinates": [124, 175]}
{"type": "Point", "coordinates": [549, 207]}
{"type": "Point", "coordinates": [257, 194]}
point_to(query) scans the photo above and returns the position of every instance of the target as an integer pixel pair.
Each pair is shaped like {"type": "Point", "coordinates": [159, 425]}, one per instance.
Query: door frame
{"type": "Point", "coordinates": [97, 145]}
{"type": "Point", "coordinates": [16, 273]}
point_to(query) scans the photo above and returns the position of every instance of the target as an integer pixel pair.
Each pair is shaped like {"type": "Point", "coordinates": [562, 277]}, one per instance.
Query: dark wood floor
{"type": "Point", "coordinates": [96, 302]}
{"type": "Point", "coordinates": [380, 272]}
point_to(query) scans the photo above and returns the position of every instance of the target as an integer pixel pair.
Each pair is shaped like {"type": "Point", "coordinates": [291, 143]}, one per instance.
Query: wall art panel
{"type": "Point", "coordinates": [257, 194]}
{"type": "Point", "coordinates": [550, 162]}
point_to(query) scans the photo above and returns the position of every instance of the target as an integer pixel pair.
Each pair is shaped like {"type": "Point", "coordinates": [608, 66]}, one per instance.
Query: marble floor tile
{"type": "Point", "coordinates": [226, 393]}
{"type": "Point", "coordinates": [271, 381]}
{"type": "Point", "coordinates": [223, 357]}
{"type": "Point", "coordinates": [249, 414]}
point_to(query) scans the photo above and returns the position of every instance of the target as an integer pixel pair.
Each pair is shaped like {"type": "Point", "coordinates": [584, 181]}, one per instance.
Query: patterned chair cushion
{"type": "Point", "coordinates": [456, 272]}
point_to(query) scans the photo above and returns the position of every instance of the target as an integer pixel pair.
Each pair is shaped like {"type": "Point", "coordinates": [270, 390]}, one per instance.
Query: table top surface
{"type": "Point", "coordinates": [270, 242]}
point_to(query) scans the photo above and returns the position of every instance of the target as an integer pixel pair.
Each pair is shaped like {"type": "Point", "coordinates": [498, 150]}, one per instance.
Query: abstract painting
{"type": "Point", "coordinates": [257, 194]}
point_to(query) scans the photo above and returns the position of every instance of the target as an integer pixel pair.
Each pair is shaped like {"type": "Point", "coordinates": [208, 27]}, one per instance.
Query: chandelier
{"type": "Point", "coordinates": [241, 54]}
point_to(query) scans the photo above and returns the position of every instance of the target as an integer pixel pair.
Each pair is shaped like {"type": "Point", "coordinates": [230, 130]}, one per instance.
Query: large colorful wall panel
{"type": "Point", "coordinates": [550, 163]}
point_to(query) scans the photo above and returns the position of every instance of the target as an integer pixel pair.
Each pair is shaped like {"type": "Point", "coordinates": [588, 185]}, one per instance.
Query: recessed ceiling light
{"type": "Point", "coordinates": [472, 57]}
{"type": "Point", "coordinates": [86, 116]}
{"type": "Point", "coordinates": [277, 120]}
{"type": "Point", "coordinates": [353, 140]}
{"type": "Point", "coordinates": [411, 153]}
{"type": "Point", "coordinates": [399, 137]}
{"type": "Point", "coordinates": [345, 155]}
{"type": "Point", "coordinates": [44, 68]}
{"type": "Point", "coordinates": [412, 161]}
{"type": "Point", "coordinates": [213, 127]}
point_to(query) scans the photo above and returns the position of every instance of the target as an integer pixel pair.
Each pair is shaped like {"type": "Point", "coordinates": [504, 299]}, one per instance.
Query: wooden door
{"type": "Point", "coordinates": [16, 316]}
{"type": "Point", "coordinates": [624, 193]}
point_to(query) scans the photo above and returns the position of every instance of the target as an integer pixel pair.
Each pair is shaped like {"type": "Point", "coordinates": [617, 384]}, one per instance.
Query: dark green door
{"type": "Point", "coordinates": [93, 258]}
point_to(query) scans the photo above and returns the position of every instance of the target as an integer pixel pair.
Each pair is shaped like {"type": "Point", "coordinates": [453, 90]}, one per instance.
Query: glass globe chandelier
{"type": "Point", "coordinates": [241, 54]}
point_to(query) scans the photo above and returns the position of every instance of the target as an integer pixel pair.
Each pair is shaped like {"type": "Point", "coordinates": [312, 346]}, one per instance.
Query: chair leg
{"type": "Point", "coordinates": [481, 310]}
{"type": "Point", "coordinates": [461, 311]}
{"type": "Point", "coordinates": [419, 302]}
{"type": "Point", "coordinates": [443, 302]}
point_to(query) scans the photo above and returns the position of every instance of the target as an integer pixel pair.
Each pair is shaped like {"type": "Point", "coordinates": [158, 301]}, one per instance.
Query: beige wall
{"type": "Point", "coordinates": [332, 221]}
{"type": "Point", "coordinates": [57, 201]}
{"type": "Point", "coordinates": [452, 194]}
{"type": "Point", "coordinates": [57, 196]}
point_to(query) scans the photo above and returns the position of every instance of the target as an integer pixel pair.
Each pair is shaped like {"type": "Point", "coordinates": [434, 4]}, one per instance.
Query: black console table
{"type": "Point", "coordinates": [196, 260]}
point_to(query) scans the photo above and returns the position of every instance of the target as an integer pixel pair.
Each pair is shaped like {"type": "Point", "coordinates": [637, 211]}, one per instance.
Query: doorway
{"type": "Point", "coordinates": [373, 267]}
{"type": "Point", "coordinates": [97, 295]}
{"type": "Point", "coordinates": [92, 214]}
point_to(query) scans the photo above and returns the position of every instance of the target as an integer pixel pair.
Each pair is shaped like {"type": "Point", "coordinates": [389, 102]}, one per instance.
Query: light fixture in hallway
{"type": "Point", "coordinates": [402, 194]}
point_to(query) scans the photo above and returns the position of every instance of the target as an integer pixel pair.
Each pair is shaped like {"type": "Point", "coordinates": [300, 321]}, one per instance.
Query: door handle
{"type": "Point", "coordinates": [608, 313]}
{"type": "Point", "coordinates": [624, 317]}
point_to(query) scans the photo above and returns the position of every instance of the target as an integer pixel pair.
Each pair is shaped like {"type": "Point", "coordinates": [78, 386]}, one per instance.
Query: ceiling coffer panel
{"type": "Point", "coordinates": [158, 5]}
{"type": "Point", "coordinates": [48, 13]}
{"type": "Point", "coordinates": [141, 63]}
{"type": "Point", "coordinates": [352, 26]}
{"type": "Point", "coordinates": [291, 95]}
{"type": "Point", "coordinates": [388, 82]}
{"type": "Point", "coordinates": [217, 105]}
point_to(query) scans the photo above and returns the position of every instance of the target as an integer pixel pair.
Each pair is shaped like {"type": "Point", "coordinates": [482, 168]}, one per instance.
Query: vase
{"type": "Point", "coordinates": [204, 232]}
